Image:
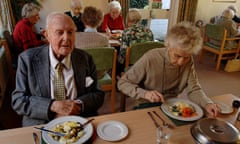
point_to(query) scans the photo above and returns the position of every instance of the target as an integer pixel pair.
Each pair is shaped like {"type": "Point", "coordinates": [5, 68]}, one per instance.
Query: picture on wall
{"type": "Point", "coordinates": [224, 1]}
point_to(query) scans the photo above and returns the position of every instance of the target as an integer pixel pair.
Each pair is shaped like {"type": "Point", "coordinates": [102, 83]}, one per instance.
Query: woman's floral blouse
{"type": "Point", "coordinates": [134, 34]}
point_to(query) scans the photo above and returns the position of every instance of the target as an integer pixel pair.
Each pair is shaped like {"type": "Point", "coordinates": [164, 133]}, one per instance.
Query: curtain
{"type": "Point", "coordinates": [125, 7]}
{"type": "Point", "coordinates": [7, 19]}
{"type": "Point", "coordinates": [187, 10]}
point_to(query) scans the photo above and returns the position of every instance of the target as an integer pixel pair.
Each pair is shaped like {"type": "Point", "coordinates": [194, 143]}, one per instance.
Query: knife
{"type": "Point", "coordinates": [53, 132]}
{"type": "Point", "coordinates": [81, 127]}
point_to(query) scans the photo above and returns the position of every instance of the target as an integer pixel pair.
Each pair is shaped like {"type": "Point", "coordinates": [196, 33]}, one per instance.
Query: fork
{"type": "Point", "coordinates": [154, 121]}
{"type": "Point", "coordinates": [163, 121]}
{"type": "Point", "coordinates": [35, 138]}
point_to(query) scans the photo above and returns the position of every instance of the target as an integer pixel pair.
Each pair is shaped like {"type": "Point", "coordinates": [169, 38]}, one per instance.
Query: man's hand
{"type": "Point", "coordinates": [154, 96]}
{"type": "Point", "coordinates": [66, 107]}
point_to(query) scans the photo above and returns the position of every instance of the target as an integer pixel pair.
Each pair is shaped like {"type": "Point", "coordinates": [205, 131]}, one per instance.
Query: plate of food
{"type": "Point", "coordinates": [117, 31]}
{"type": "Point", "coordinates": [68, 125]}
{"type": "Point", "coordinates": [112, 130]}
{"type": "Point", "coordinates": [182, 109]}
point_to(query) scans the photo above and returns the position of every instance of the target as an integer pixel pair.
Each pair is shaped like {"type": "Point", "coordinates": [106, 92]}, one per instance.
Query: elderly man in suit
{"type": "Point", "coordinates": [42, 93]}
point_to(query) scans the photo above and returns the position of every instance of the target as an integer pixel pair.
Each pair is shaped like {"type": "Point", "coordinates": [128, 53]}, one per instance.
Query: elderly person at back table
{"type": "Point", "coordinates": [166, 72]}
{"type": "Point", "coordinates": [24, 35]}
{"type": "Point", "coordinates": [75, 13]}
{"type": "Point", "coordinates": [56, 80]}
{"type": "Point", "coordinates": [113, 20]}
{"type": "Point", "coordinates": [230, 26]}
{"type": "Point", "coordinates": [134, 33]}
{"type": "Point", "coordinates": [235, 17]}
{"type": "Point", "coordinates": [91, 17]}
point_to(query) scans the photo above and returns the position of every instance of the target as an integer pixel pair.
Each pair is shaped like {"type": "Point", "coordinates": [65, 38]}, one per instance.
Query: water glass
{"type": "Point", "coordinates": [163, 134]}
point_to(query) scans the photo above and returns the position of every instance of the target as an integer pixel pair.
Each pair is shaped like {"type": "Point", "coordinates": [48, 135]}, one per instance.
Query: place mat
{"type": "Point", "coordinates": [149, 105]}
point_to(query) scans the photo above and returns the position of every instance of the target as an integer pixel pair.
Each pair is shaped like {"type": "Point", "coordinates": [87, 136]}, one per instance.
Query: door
{"type": "Point", "coordinates": [157, 15]}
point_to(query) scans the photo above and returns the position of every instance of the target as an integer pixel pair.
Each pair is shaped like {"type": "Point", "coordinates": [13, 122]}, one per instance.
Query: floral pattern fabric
{"type": "Point", "coordinates": [134, 34]}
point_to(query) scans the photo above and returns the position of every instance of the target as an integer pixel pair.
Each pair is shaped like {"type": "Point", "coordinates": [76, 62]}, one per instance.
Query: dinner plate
{"type": "Point", "coordinates": [170, 102]}
{"type": "Point", "coordinates": [117, 31]}
{"type": "Point", "coordinates": [88, 129]}
{"type": "Point", "coordinates": [112, 130]}
{"type": "Point", "coordinates": [224, 108]}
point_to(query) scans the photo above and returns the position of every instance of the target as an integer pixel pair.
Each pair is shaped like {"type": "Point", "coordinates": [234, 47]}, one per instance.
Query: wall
{"type": "Point", "coordinates": [49, 6]}
{"type": "Point", "coordinates": [207, 9]}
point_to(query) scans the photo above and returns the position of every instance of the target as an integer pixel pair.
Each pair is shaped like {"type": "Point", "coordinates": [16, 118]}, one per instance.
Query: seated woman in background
{"type": "Point", "coordinates": [235, 17]}
{"type": "Point", "coordinates": [75, 14]}
{"type": "Point", "coordinates": [134, 33]}
{"type": "Point", "coordinates": [23, 34]}
{"type": "Point", "coordinates": [230, 26]}
{"type": "Point", "coordinates": [113, 20]}
{"type": "Point", "coordinates": [91, 17]}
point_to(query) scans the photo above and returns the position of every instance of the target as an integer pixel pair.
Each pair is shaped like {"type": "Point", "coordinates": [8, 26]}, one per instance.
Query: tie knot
{"type": "Point", "coordinates": [59, 67]}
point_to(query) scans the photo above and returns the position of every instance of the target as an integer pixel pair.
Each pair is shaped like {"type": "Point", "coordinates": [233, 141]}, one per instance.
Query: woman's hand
{"type": "Point", "coordinates": [212, 109]}
{"type": "Point", "coordinates": [153, 96]}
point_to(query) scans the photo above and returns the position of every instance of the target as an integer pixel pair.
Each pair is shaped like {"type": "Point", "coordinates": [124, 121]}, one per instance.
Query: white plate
{"type": "Point", "coordinates": [170, 102]}
{"type": "Point", "coordinates": [117, 31]}
{"type": "Point", "coordinates": [88, 129]}
{"type": "Point", "coordinates": [225, 109]}
{"type": "Point", "coordinates": [112, 130]}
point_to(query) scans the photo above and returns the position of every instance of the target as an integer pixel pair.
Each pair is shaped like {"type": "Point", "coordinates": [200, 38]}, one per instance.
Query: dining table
{"type": "Point", "coordinates": [141, 129]}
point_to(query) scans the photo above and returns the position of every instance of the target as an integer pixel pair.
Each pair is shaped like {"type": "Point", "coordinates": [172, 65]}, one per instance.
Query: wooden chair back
{"type": "Point", "coordinates": [105, 59]}
{"type": "Point", "coordinates": [215, 39]}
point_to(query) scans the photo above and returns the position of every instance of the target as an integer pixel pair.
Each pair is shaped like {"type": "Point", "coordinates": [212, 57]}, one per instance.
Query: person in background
{"type": "Point", "coordinates": [92, 18]}
{"type": "Point", "coordinates": [235, 17]}
{"type": "Point", "coordinates": [38, 95]}
{"type": "Point", "coordinates": [230, 26]}
{"type": "Point", "coordinates": [75, 13]}
{"type": "Point", "coordinates": [23, 34]}
{"type": "Point", "coordinates": [134, 33]}
{"type": "Point", "coordinates": [163, 73]}
{"type": "Point", "coordinates": [113, 19]}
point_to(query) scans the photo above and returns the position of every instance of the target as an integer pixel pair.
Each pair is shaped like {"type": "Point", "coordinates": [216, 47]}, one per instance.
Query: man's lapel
{"type": "Point", "coordinates": [79, 72]}
{"type": "Point", "coordinates": [41, 66]}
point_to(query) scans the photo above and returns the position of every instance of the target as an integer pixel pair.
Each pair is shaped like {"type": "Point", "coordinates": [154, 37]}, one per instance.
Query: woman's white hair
{"type": "Point", "coordinates": [76, 3]}
{"type": "Point", "coordinates": [186, 36]}
{"type": "Point", "coordinates": [30, 9]}
{"type": "Point", "coordinates": [114, 5]}
{"type": "Point", "coordinates": [228, 13]}
{"type": "Point", "coordinates": [133, 15]}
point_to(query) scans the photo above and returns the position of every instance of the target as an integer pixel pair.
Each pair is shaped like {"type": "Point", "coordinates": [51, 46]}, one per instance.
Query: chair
{"type": "Point", "coordinates": [133, 53]}
{"type": "Point", "coordinates": [11, 56]}
{"type": "Point", "coordinates": [218, 33]}
{"type": "Point", "coordinates": [105, 58]}
{"type": "Point", "coordinates": [4, 71]}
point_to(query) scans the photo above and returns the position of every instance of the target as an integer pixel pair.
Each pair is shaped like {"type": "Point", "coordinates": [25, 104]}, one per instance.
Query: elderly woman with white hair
{"type": "Point", "coordinates": [113, 20]}
{"type": "Point", "coordinates": [23, 35]}
{"type": "Point", "coordinates": [75, 13]}
{"type": "Point", "coordinates": [164, 73]}
{"type": "Point", "coordinates": [235, 17]}
{"type": "Point", "coordinates": [230, 26]}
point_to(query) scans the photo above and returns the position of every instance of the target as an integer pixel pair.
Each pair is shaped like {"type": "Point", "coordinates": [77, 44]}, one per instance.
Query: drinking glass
{"type": "Point", "coordinates": [163, 134]}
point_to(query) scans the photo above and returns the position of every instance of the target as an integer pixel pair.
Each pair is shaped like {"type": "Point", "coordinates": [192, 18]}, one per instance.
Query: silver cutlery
{"type": "Point", "coordinates": [35, 138]}
{"type": "Point", "coordinates": [53, 132]}
{"type": "Point", "coordinates": [81, 127]}
{"type": "Point", "coordinates": [154, 121]}
{"type": "Point", "coordinates": [163, 121]}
